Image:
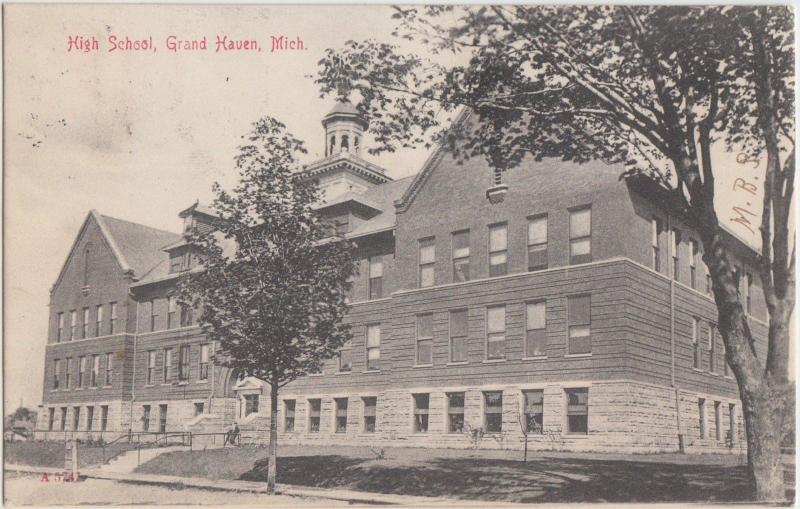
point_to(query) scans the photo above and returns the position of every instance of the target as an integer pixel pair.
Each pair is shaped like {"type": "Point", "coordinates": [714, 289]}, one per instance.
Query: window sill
{"type": "Point", "coordinates": [316, 374]}
{"type": "Point", "coordinates": [343, 373]}
{"type": "Point", "coordinates": [372, 371]}
{"type": "Point", "coordinates": [149, 385]}
{"type": "Point", "coordinates": [535, 358]}
{"type": "Point", "coordinates": [422, 366]}
{"type": "Point", "coordinates": [201, 382]}
{"type": "Point", "coordinates": [183, 382]}
{"type": "Point", "coordinates": [108, 387]}
{"type": "Point", "coordinates": [576, 436]}
{"type": "Point", "coordinates": [577, 355]}
{"type": "Point", "coordinates": [493, 361]}
{"type": "Point", "coordinates": [457, 363]}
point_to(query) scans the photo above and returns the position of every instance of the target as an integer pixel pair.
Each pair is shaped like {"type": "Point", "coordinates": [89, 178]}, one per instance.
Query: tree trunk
{"type": "Point", "coordinates": [764, 411]}
{"type": "Point", "coordinates": [273, 440]}
{"type": "Point", "coordinates": [762, 385]}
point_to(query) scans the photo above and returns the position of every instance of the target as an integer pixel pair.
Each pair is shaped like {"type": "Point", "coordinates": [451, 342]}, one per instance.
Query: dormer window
{"type": "Point", "coordinates": [188, 224]}
{"type": "Point", "coordinates": [180, 260]}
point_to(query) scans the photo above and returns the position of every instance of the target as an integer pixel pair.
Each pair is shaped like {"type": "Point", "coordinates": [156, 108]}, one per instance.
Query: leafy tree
{"type": "Point", "coordinates": [654, 89]}
{"type": "Point", "coordinates": [270, 285]}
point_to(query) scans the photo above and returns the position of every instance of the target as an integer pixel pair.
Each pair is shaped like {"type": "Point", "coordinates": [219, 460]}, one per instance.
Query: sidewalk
{"type": "Point", "coordinates": [358, 497]}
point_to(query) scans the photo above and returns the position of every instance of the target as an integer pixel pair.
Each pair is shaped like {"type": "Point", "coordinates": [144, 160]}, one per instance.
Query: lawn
{"type": "Point", "coordinates": [485, 475]}
{"type": "Point", "coordinates": [51, 453]}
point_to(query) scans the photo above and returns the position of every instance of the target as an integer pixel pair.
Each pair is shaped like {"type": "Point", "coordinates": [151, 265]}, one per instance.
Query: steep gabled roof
{"type": "Point", "coordinates": [140, 246]}
{"type": "Point", "coordinates": [136, 248]}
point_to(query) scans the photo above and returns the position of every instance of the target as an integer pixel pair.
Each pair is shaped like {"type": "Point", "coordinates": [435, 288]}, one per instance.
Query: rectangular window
{"type": "Point", "coordinates": [498, 250]}
{"type": "Point", "coordinates": [701, 409]}
{"type": "Point", "coordinates": [341, 414]}
{"type": "Point", "coordinates": [493, 411]}
{"type": "Point", "coordinates": [537, 243]}
{"type": "Point", "coordinates": [578, 411]}
{"type": "Point", "coordinates": [346, 359]}
{"type": "Point", "coordinates": [81, 371]}
{"type": "Point", "coordinates": [534, 411]}
{"type": "Point", "coordinates": [427, 262]}
{"type": "Point", "coordinates": [187, 315]}
{"type": "Point", "coordinates": [421, 407]}
{"type": "Point", "coordinates": [76, 418]}
{"type": "Point", "coordinates": [718, 420]}
{"type": "Point", "coordinates": [104, 418]}
{"type": "Point", "coordinates": [535, 329]}
{"type": "Point", "coordinates": [63, 418]}
{"type": "Point", "coordinates": [712, 350]}
{"type": "Point", "coordinates": [250, 404]}
{"type": "Point", "coordinates": [314, 406]}
{"type": "Point", "coordinates": [151, 367]}
{"type": "Point", "coordinates": [199, 408]}
{"type": "Point", "coordinates": [167, 365]}
{"type": "Point", "coordinates": [288, 415]}
{"type": "Point", "coordinates": [153, 316]}
{"type": "Point", "coordinates": [725, 368]}
{"type": "Point", "coordinates": [204, 357]}
{"type": "Point", "coordinates": [656, 228]}
{"type": "Point", "coordinates": [183, 366]}
{"type": "Point", "coordinates": [732, 421]}
{"type": "Point", "coordinates": [373, 347]}
{"type": "Point", "coordinates": [56, 374]}
{"type": "Point", "coordinates": [68, 369]}
{"type": "Point", "coordinates": [109, 369]}
{"type": "Point", "coordinates": [172, 312]}
{"type": "Point", "coordinates": [370, 406]}
{"type": "Point", "coordinates": [676, 254]}
{"type": "Point", "coordinates": [496, 332]}
{"type": "Point", "coordinates": [73, 324]}
{"type": "Point", "coordinates": [455, 412]}
{"type": "Point", "coordinates": [696, 343]}
{"type": "Point", "coordinates": [461, 256]}
{"type": "Point", "coordinates": [60, 335]}
{"type": "Point", "coordinates": [51, 416]}
{"type": "Point", "coordinates": [748, 293]}
{"type": "Point", "coordinates": [458, 335]}
{"type": "Point", "coordinates": [580, 236]}
{"type": "Point", "coordinates": [162, 418]}
{"type": "Point", "coordinates": [708, 284]}
{"type": "Point", "coordinates": [98, 323]}
{"type": "Point", "coordinates": [580, 324]}
{"type": "Point", "coordinates": [95, 370]}
{"type": "Point", "coordinates": [375, 277]}
{"type": "Point", "coordinates": [85, 324]}
{"type": "Point", "coordinates": [693, 256]}
{"type": "Point", "coordinates": [113, 323]}
{"type": "Point", "coordinates": [146, 418]}
{"type": "Point", "coordinates": [424, 339]}
{"type": "Point", "coordinates": [89, 417]}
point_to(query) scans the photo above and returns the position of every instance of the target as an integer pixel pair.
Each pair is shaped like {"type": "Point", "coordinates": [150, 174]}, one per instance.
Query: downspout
{"type": "Point", "coordinates": [670, 255]}
{"type": "Point", "coordinates": [133, 373]}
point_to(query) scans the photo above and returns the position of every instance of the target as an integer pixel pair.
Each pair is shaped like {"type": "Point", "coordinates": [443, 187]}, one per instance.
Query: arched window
{"type": "Point", "coordinates": [345, 144]}
{"type": "Point", "coordinates": [355, 144]}
{"type": "Point", "coordinates": [332, 145]}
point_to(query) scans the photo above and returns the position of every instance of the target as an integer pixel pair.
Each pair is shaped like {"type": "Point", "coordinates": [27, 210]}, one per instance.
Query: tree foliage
{"type": "Point", "coordinates": [271, 284]}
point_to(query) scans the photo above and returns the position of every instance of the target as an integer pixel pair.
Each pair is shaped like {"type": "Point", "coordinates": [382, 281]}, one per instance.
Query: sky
{"type": "Point", "coordinates": [142, 135]}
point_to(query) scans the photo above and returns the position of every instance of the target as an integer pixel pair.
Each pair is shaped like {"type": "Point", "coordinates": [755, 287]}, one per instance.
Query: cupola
{"type": "Point", "coordinates": [344, 129]}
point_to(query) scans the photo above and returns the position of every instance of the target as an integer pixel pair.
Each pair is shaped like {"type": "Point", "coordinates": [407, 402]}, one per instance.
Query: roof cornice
{"type": "Point", "coordinates": [372, 172]}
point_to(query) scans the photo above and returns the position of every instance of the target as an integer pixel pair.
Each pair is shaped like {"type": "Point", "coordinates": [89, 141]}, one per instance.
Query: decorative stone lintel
{"type": "Point", "coordinates": [497, 193]}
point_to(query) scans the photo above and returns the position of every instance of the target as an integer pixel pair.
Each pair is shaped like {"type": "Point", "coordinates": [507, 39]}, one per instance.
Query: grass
{"type": "Point", "coordinates": [51, 453]}
{"type": "Point", "coordinates": [482, 475]}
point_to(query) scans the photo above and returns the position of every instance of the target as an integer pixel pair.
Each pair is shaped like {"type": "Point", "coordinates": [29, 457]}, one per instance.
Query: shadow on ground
{"type": "Point", "coordinates": [538, 480]}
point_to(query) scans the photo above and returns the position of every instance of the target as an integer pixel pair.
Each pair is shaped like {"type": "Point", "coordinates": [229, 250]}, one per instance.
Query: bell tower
{"type": "Point", "coordinates": [344, 129]}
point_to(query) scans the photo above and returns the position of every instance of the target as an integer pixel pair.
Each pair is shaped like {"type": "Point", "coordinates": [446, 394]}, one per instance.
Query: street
{"type": "Point", "coordinates": [30, 491]}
